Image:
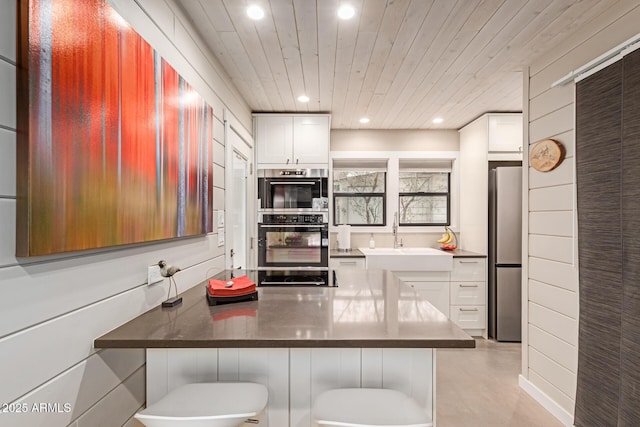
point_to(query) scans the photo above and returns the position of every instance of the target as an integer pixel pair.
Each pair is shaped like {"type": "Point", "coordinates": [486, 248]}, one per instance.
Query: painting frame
{"type": "Point", "coordinates": [114, 146]}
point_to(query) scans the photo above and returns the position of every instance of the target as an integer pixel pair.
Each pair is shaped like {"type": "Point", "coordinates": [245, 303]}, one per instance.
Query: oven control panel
{"type": "Point", "coordinates": [292, 219]}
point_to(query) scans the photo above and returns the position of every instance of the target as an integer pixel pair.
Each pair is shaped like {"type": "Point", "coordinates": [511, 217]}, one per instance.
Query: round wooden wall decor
{"type": "Point", "coordinates": [546, 155]}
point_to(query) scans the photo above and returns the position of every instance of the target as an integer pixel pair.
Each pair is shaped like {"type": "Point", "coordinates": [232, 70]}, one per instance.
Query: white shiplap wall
{"type": "Point", "coordinates": [53, 307]}
{"type": "Point", "coordinates": [551, 356]}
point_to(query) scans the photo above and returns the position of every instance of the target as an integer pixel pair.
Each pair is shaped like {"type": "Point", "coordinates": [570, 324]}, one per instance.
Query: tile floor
{"type": "Point", "coordinates": [479, 387]}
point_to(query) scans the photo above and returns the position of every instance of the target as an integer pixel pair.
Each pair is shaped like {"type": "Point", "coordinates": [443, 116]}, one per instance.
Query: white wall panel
{"type": "Point", "coordinates": [7, 163]}
{"type": "Point", "coordinates": [563, 174]}
{"type": "Point", "coordinates": [554, 123]}
{"type": "Point", "coordinates": [554, 348]}
{"type": "Point", "coordinates": [7, 237]}
{"type": "Point", "coordinates": [8, 98]}
{"type": "Point", "coordinates": [556, 324]}
{"type": "Point", "coordinates": [549, 101]}
{"type": "Point", "coordinates": [300, 400]}
{"type": "Point", "coordinates": [218, 176]}
{"type": "Point", "coordinates": [554, 248]}
{"type": "Point", "coordinates": [547, 387]}
{"type": "Point", "coordinates": [218, 127]}
{"type": "Point", "coordinates": [80, 386]}
{"type": "Point", "coordinates": [118, 406]}
{"type": "Point", "coordinates": [21, 364]}
{"type": "Point", "coordinates": [40, 292]}
{"type": "Point", "coordinates": [218, 153]}
{"type": "Point", "coordinates": [557, 299]}
{"type": "Point", "coordinates": [562, 378]}
{"type": "Point", "coordinates": [557, 223]}
{"type": "Point", "coordinates": [558, 198]}
{"type": "Point", "coordinates": [218, 198]}
{"type": "Point", "coordinates": [554, 273]}
{"type": "Point", "coordinates": [8, 31]}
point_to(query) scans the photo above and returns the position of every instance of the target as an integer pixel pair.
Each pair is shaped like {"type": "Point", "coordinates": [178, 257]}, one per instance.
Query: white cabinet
{"type": "Point", "coordinates": [432, 286]}
{"type": "Point", "coordinates": [469, 317]}
{"type": "Point", "coordinates": [292, 139]}
{"type": "Point", "coordinates": [437, 293]}
{"type": "Point", "coordinates": [505, 132]}
{"type": "Point", "coordinates": [468, 295]}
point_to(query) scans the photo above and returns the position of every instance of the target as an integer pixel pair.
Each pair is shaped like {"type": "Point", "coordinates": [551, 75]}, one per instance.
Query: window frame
{"type": "Point", "coordinates": [426, 194]}
{"type": "Point", "coordinates": [383, 195]}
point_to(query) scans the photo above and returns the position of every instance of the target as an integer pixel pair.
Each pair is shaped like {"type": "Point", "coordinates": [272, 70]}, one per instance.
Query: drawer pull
{"type": "Point", "coordinates": [347, 263]}
{"type": "Point", "coordinates": [468, 309]}
{"type": "Point", "coordinates": [467, 286]}
{"type": "Point", "coordinates": [468, 262]}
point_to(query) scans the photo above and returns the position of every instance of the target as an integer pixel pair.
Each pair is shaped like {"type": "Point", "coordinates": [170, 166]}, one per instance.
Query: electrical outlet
{"type": "Point", "coordinates": [220, 219]}
{"type": "Point", "coordinates": [153, 274]}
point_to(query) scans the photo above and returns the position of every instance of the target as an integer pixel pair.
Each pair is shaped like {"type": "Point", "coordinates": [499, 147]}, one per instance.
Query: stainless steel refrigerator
{"type": "Point", "coordinates": [505, 253]}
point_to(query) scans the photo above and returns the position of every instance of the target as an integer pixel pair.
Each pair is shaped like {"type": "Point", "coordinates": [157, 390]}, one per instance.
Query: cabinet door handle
{"type": "Point", "coordinates": [468, 309]}
{"type": "Point", "coordinates": [297, 161]}
{"type": "Point", "coordinates": [467, 286]}
{"type": "Point", "coordinates": [287, 161]}
{"type": "Point", "coordinates": [468, 262]}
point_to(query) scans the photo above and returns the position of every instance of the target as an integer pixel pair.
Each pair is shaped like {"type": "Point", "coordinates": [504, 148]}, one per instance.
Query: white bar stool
{"type": "Point", "coordinates": [361, 407]}
{"type": "Point", "coordinates": [206, 405]}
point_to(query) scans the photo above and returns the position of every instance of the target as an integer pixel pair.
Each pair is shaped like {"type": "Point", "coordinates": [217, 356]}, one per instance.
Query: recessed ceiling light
{"type": "Point", "coordinates": [255, 12]}
{"type": "Point", "coordinates": [364, 120]}
{"type": "Point", "coordinates": [438, 120]}
{"type": "Point", "coordinates": [303, 98]}
{"type": "Point", "coordinates": [346, 11]}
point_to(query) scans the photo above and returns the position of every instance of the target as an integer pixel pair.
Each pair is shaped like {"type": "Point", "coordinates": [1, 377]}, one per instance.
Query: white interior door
{"type": "Point", "coordinates": [239, 222]}
{"type": "Point", "coordinates": [239, 187]}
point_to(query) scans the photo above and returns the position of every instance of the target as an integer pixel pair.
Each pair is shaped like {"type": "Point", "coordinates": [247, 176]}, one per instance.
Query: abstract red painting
{"type": "Point", "coordinates": [114, 146]}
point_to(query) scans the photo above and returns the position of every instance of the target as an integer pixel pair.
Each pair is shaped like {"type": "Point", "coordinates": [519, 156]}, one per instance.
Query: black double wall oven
{"type": "Point", "coordinates": [293, 228]}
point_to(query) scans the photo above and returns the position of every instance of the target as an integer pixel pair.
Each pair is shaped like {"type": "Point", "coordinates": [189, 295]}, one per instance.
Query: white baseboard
{"type": "Point", "coordinates": [556, 410]}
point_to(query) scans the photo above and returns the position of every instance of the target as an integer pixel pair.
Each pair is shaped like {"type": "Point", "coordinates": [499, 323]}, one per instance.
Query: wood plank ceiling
{"type": "Point", "coordinates": [400, 63]}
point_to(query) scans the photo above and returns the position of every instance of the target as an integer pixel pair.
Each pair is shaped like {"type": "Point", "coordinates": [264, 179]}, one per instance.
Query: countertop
{"type": "Point", "coordinates": [356, 253]}
{"type": "Point", "coordinates": [370, 308]}
{"type": "Point", "coordinates": [352, 253]}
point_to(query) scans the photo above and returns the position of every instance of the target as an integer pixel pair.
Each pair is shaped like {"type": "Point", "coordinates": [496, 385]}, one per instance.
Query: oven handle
{"type": "Point", "coordinates": [292, 283]}
{"type": "Point", "coordinates": [292, 183]}
{"type": "Point", "coordinates": [291, 226]}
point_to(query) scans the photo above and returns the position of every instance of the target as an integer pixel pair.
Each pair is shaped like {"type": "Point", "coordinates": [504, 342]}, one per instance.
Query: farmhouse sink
{"type": "Point", "coordinates": [408, 259]}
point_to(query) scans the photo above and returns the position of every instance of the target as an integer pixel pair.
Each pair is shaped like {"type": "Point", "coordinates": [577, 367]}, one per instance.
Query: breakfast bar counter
{"type": "Point", "coordinates": [369, 308]}
{"type": "Point", "coordinates": [371, 331]}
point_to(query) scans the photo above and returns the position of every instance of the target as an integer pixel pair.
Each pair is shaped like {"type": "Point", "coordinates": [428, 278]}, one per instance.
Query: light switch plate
{"type": "Point", "coordinates": [220, 237]}
{"type": "Point", "coordinates": [220, 219]}
{"type": "Point", "coordinates": [153, 274]}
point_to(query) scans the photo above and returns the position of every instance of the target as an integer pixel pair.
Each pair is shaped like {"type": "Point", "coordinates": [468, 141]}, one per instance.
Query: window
{"type": "Point", "coordinates": [359, 194]}
{"type": "Point", "coordinates": [424, 192]}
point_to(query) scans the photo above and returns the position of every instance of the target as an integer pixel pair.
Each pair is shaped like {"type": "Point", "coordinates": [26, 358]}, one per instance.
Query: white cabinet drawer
{"type": "Point", "coordinates": [422, 276]}
{"type": "Point", "coordinates": [468, 293]}
{"type": "Point", "coordinates": [469, 316]}
{"type": "Point", "coordinates": [334, 263]}
{"type": "Point", "coordinates": [437, 293]}
{"type": "Point", "coordinates": [468, 269]}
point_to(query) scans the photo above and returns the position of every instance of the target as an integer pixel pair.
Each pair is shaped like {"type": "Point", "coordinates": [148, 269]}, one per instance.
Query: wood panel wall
{"type": "Point", "coordinates": [53, 307]}
{"type": "Point", "coordinates": [608, 166]}
{"type": "Point", "coordinates": [551, 333]}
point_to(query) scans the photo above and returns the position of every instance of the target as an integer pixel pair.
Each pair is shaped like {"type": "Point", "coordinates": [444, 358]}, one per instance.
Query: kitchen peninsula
{"type": "Point", "coordinates": [370, 331]}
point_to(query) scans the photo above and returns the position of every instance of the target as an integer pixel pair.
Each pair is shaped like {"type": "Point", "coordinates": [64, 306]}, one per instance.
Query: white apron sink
{"type": "Point", "coordinates": [408, 259]}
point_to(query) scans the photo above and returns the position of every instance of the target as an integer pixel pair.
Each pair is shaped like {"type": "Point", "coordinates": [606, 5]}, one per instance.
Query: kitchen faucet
{"type": "Point", "coordinates": [394, 230]}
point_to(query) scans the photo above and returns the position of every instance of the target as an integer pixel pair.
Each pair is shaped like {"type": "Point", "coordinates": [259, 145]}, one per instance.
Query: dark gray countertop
{"type": "Point", "coordinates": [370, 308]}
{"type": "Point", "coordinates": [352, 253]}
{"type": "Point", "coordinates": [355, 253]}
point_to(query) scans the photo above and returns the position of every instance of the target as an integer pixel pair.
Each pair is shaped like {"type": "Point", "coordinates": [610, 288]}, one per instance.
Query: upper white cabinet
{"type": "Point", "coordinates": [505, 132]}
{"type": "Point", "coordinates": [284, 139]}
